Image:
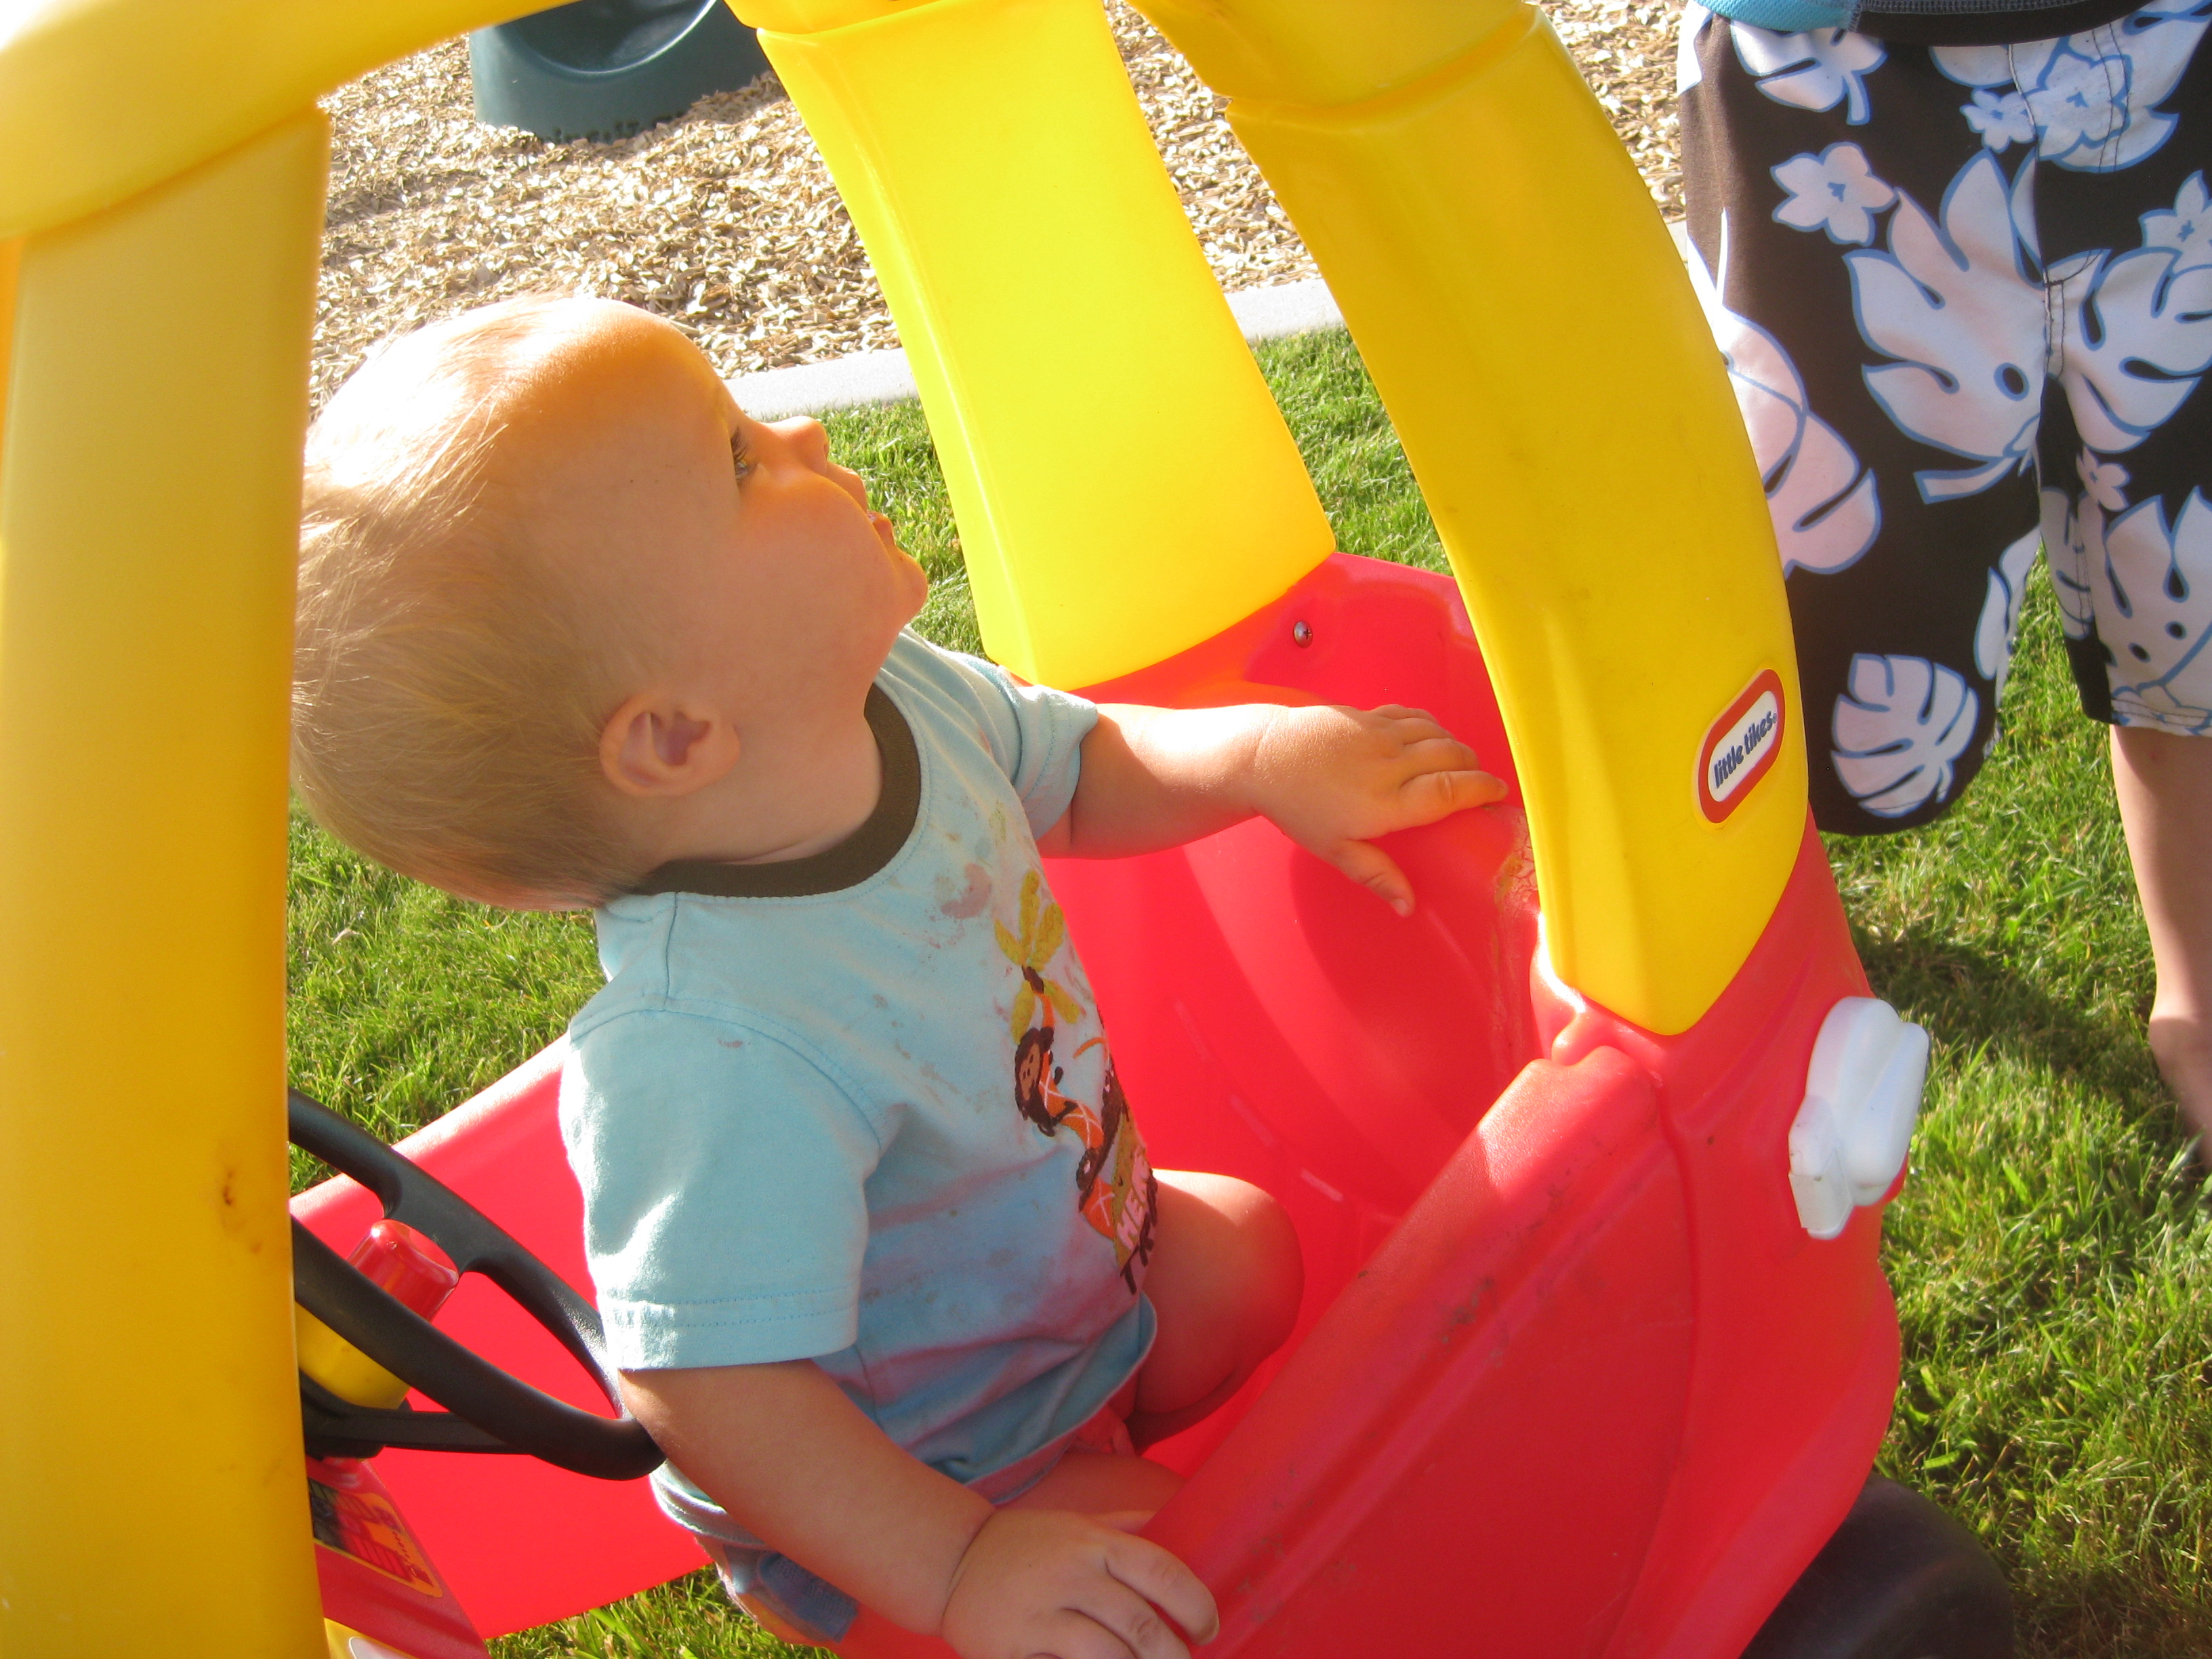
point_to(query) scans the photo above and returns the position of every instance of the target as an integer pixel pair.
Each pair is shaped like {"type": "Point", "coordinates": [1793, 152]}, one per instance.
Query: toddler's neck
{"type": "Point", "coordinates": [798, 789]}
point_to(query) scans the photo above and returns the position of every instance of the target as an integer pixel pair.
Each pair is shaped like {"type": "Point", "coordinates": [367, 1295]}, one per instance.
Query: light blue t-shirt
{"type": "Point", "coordinates": [860, 1108]}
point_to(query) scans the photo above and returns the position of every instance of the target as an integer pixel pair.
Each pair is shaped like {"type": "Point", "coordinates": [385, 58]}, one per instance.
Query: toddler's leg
{"type": "Point", "coordinates": [2164, 780]}
{"type": "Point", "coordinates": [1226, 1280]}
{"type": "Point", "coordinates": [1102, 1484]}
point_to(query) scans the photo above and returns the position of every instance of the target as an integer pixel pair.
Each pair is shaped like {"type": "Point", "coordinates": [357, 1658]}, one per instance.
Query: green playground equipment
{"type": "Point", "coordinates": [606, 69]}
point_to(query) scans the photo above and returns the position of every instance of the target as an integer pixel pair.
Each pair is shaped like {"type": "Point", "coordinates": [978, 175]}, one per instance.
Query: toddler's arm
{"type": "Point", "coordinates": [791, 1458]}
{"type": "Point", "coordinates": [1329, 778]}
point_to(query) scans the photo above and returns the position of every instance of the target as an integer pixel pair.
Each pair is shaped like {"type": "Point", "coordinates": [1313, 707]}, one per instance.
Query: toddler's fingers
{"type": "Point", "coordinates": [1129, 1521]}
{"type": "Point", "coordinates": [1070, 1634]}
{"type": "Point", "coordinates": [1162, 1580]}
{"type": "Point", "coordinates": [1131, 1623]}
{"type": "Point", "coordinates": [1441, 753]}
{"type": "Point", "coordinates": [1412, 725]}
{"type": "Point", "coordinates": [1429, 796]}
{"type": "Point", "coordinates": [1374, 870]}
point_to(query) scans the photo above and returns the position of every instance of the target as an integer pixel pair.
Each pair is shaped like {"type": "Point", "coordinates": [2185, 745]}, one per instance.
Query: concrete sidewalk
{"type": "Point", "coordinates": [883, 377]}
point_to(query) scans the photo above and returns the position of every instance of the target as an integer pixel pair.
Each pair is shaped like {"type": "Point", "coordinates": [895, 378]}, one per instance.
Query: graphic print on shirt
{"type": "Point", "coordinates": [1115, 1189]}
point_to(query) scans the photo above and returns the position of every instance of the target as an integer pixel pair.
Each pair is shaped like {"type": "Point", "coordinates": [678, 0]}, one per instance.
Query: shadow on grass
{"type": "Point", "coordinates": [2106, 1612]}
{"type": "Point", "coordinates": [1972, 1000]}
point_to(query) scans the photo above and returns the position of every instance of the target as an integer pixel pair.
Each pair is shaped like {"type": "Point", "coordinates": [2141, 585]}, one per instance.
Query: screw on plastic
{"type": "Point", "coordinates": [1301, 634]}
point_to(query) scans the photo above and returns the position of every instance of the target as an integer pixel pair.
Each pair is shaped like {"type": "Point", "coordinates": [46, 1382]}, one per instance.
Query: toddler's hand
{"type": "Point", "coordinates": [1052, 1584]}
{"type": "Point", "coordinates": [1330, 778]}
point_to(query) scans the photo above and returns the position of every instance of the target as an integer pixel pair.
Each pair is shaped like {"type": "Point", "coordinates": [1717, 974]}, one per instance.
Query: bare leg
{"type": "Point", "coordinates": [1225, 1278]}
{"type": "Point", "coordinates": [2164, 782]}
{"type": "Point", "coordinates": [1103, 1485]}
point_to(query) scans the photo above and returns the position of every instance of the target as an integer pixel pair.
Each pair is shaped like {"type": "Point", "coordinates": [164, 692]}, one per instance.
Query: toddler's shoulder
{"type": "Point", "coordinates": [650, 1056]}
{"type": "Point", "coordinates": [690, 963]}
{"type": "Point", "coordinates": [939, 676]}
{"type": "Point", "coordinates": [1029, 731]}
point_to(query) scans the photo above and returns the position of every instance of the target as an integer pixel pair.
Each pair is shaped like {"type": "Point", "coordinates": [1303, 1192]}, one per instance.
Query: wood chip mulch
{"type": "Point", "coordinates": [727, 224]}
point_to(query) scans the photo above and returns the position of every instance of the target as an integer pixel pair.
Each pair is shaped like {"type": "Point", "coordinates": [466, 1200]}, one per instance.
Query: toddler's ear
{"type": "Point", "coordinates": [654, 744]}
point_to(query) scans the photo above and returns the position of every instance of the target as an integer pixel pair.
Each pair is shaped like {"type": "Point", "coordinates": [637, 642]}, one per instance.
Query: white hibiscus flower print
{"type": "Point", "coordinates": [2103, 480]}
{"type": "Point", "coordinates": [1817, 69]}
{"type": "Point", "coordinates": [2186, 229]}
{"type": "Point", "coordinates": [2078, 101]}
{"type": "Point", "coordinates": [1688, 72]}
{"type": "Point", "coordinates": [2094, 96]}
{"type": "Point", "coordinates": [2137, 336]}
{"type": "Point", "coordinates": [1975, 66]}
{"type": "Point", "coordinates": [1822, 501]}
{"type": "Point", "coordinates": [1951, 303]}
{"type": "Point", "coordinates": [2068, 534]}
{"type": "Point", "coordinates": [2023, 219]}
{"type": "Point", "coordinates": [2147, 587]}
{"type": "Point", "coordinates": [1836, 192]}
{"type": "Point", "coordinates": [2157, 704]}
{"type": "Point", "coordinates": [2153, 591]}
{"type": "Point", "coordinates": [1898, 729]}
{"type": "Point", "coordinates": [1999, 624]}
{"type": "Point", "coordinates": [2001, 117]}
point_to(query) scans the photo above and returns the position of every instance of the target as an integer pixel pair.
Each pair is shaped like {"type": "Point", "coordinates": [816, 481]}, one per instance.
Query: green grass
{"type": "Point", "coordinates": [2052, 1253]}
{"type": "Point", "coordinates": [690, 1618]}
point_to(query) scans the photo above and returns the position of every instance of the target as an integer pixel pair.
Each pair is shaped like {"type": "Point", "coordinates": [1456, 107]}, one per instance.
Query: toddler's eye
{"type": "Point", "coordinates": [741, 458]}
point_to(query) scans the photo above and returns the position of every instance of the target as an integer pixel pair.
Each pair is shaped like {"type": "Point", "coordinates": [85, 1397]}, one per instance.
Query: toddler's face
{"type": "Point", "coordinates": [751, 562]}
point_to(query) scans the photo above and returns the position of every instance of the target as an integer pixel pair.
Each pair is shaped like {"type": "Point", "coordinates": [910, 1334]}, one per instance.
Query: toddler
{"type": "Point", "coordinates": [881, 1257]}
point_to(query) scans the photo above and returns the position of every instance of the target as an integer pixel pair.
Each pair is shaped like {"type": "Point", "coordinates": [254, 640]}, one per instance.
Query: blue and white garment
{"type": "Point", "coordinates": [1811, 25]}
{"type": "Point", "coordinates": [860, 1108]}
{"type": "Point", "coordinates": [1964, 293]}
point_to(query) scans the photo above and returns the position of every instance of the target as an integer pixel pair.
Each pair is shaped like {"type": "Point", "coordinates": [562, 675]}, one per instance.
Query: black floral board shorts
{"type": "Point", "coordinates": [1965, 297]}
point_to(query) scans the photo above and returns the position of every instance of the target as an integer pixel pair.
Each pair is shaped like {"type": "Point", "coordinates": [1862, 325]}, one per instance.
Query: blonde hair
{"type": "Point", "coordinates": [447, 696]}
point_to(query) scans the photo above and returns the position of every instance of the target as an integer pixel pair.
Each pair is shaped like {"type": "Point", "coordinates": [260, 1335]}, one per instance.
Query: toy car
{"type": "Point", "coordinates": [1596, 1352]}
{"type": "Point", "coordinates": [1574, 1375]}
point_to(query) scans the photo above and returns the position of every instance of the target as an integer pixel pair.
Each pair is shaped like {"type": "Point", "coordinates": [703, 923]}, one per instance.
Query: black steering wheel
{"type": "Point", "coordinates": [487, 1410]}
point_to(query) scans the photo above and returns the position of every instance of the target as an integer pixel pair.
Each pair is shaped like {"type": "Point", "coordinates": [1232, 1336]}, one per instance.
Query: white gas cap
{"type": "Point", "coordinates": [1862, 1095]}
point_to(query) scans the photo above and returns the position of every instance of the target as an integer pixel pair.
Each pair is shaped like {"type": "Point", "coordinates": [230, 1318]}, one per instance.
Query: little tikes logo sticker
{"type": "Point", "coordinates": [1740, 747]}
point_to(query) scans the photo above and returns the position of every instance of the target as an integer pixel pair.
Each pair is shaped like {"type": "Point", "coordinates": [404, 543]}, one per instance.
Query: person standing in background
{"type": "Point", "coordinates": [1958, 254]}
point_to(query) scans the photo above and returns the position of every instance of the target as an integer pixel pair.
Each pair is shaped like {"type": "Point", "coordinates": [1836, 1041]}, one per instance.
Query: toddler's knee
{"type": "Point", "coordinates": [1230, 1261]}
{"type": "Point", "coordinates": [1273, 1269]}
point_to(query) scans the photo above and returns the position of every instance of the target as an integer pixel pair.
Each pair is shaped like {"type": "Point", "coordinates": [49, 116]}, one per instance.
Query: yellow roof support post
{"type": "Point", "coordinates": [11, 263]}
{"type": "Point", "coordinates": [151, 1481]}
{"type": "Point", "coordinates": [1124, 484]}
{"type": "Point", "coordinates": [102, 99]}
{"type": "Point", "coordinates": [157, 265]}
{"type": "Point", "coordinates": [1529, 326]}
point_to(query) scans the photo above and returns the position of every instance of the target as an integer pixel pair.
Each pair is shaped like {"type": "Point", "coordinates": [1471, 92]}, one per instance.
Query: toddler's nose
{"type": "Point", "coordinates": [808, 438]}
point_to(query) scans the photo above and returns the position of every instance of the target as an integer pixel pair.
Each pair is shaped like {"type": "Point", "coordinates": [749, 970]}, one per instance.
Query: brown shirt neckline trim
{"type": "Point", "coordinates": [850, 862]}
